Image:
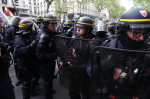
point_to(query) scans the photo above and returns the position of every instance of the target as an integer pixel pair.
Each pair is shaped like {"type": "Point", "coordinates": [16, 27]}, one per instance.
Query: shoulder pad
{"type": "Point", "coordinates": [43, 35]}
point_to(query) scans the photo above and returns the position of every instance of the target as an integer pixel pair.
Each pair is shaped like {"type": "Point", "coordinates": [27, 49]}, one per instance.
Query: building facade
{"type": "Point", "coordinates": [34, 8]}
{"type": "Point", "coordinates": [19, 4]}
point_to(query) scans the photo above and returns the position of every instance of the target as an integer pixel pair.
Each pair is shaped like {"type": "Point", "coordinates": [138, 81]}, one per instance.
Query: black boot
{"type": "Point", "coordinates": [74, 95]}
{"type": "Point", "coordinates": [26, 90]}
{"type": "Point", "coordinates": [34, 84]}
{"type": "Point", "coordinates": [48, 90]}
{"type": "Point", "coordinates": [18, 75]}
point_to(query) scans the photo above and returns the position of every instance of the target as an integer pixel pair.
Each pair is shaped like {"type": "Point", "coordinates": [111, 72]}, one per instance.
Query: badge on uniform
{"type": "Point", "coordinates": [143, 13]}
{"type": "Point", "coordinates": [73, 52]}
{"type": "Point", "coordinates": [117, 73]}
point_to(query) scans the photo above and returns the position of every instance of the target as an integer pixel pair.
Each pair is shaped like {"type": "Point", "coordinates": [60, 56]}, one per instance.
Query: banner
{"type": "Point", "coordinates": [7, 11]}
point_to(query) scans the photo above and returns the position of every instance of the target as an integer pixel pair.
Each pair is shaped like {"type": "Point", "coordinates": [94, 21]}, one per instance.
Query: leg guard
{"type": "Point", "coordinates": [26, 90]}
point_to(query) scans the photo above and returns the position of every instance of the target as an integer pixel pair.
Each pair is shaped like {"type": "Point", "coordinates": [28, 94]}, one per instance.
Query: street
{"type": "Point", "coordinates": [61, 93]}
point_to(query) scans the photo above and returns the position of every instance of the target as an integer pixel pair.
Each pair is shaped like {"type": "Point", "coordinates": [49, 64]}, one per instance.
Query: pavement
{"type": "Point", "coordinates": [61, 93]}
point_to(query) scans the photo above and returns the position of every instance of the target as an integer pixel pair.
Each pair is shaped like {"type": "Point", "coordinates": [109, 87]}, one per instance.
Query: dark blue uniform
{"type": "Point", "coordinates": [9, 39]}
{"type": "Point", "coordinates": [10, 34]}
{"type": "Point", "coordinates": [46, 56]}
{"type": "Point", "coordinates": [24, 53]}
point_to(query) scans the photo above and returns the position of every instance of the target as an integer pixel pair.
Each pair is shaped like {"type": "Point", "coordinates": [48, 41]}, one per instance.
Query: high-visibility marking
{"type": "Point", "coordinates": [84, 23]}
{"type": "Point", "coordinates": [23, 25]}
{"type": "Point", "coordinates": [135, 20]}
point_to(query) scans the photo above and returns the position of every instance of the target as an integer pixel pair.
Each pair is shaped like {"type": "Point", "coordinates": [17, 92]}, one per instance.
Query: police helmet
{"type": "Point", "coordinates": [26, 26]}
{"type": "Point", "coordinates": [85, 22]}
{"type": "Point", "coordinates": [76, 18]}
{"type": "Point", "coordinates": [136, 18]}
{"type": "Point", "coordinates": [135, 21]}
{"type": "Point", "coordinates": [101, 26]}
{"type": "Point", "coordinates": [39, 19]}
{"type": "Point", "coordinates": [67, 24]}
{"type": "Point", "coordinates": [15, 20]}
{"type": "Point", "coordinates": [50, 18]}
{"type": "Point", "coordinates": [112, 26]}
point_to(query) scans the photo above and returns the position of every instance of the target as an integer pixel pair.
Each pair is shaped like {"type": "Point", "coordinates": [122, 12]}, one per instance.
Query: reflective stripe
{"type": "Point", "coordinates": [75, 19]}
{"type": "Point", "coordinates": [23, 25]}
{"type": "Point", "coordinates": [49, 18]}
{"type": "Point", "coordinates": [38, 18]}
{"type": "Point", "coordinates": [85, 23]}
{"type": "Point", "coordinates": [135, 20]}
{"type": "Point", "coordinates": [111, 25]}
{"type": "Point", "coordinates": [67, 23]}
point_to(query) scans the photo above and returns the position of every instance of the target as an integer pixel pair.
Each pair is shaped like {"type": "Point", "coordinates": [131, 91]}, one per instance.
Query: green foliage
{"type": "Point", "coordinates": [115, 9]}
{"type": "Point", "coordinates": [61, 6]}
{"type": "Point", "coordinates": [113, 6]}
{"type": "Point", "coordinates": [145, 4]}
{"type": "Point", "coordinates": [101, 4]}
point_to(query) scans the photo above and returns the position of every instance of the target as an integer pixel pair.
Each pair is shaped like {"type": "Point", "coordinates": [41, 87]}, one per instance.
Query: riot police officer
{"type": "Point", "coordinates": [2, 30]}
{"type": "Point", "coordinates": [112, 27]}
{"type": "Point", "coordinates": [79, 85]}
{"type": "Point", "coordinates": [45, 52]}
{"type": "Point", "coordinates": [134, 28]}
{"type": "Point", "coordinates": [24, 47]}
{"type": "Point", "coordinates": [39, 21]}
{"type": "Point", "coordinates": [11, 32]}
{"type": "Point", "coordinates": [6, 87]}
{"type": "Point", "coordinates": [73, 29]}
{"type": "Point", "coordinates": [66, 26]}
{"type": "Point", "coordinates": [85, 28]}
{"type": "Point", "coordinates": [9, 38]}
{"type": "Point", "coordinates": [100, 29]}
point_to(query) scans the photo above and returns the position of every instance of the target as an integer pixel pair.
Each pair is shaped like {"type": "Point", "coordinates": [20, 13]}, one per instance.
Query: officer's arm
{"type": "Point", "coordinates": [8, 37]}
{"type": "Point", "coordinates": [41, 50]}
{"type": "Point", "coordinates": [19, 48]}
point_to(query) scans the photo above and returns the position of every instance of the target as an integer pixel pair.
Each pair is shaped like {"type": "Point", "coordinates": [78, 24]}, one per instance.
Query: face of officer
{"type": "Point", "coordinates": [52, 26]}
{"type": "Point", "coordinates": [80, 31]}
{"type": "Point", "coordinates": [137, 34]}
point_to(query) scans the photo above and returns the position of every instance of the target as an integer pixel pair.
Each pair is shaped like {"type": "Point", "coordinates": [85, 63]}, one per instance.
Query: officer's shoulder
{"type": "Point", "coordinates": [43, 35]}
{"type": "Point", "coordinates": [18, 37]}
{"type": "Point", "coordinates": [111, 42]}
{"type": "Point", "coordinates": [9, 29]}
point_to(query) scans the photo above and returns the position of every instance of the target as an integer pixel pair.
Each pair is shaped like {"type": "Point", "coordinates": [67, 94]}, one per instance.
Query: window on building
{"type": "Point", "coordinates": [34, 2]}
{"type": "Point", "coordinates": [35, 10]}
{"type": "Point", "coordinates": [29, 1]}
{"type": "Point", "coordinates": [30, 8]}
{"type": "Point", "coordinates": [15, 1]}
{"type": "Point", "coordinates": [4, 1]}
{"type": "Point", "coordinates": [23, 3]}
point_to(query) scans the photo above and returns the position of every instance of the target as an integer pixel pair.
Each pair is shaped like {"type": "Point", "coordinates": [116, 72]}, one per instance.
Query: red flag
{"type": "Point", "coordinates": [7, 11]}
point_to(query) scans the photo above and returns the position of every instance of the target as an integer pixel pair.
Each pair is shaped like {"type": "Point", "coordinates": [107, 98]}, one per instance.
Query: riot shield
{"type": "Point", "coordinates": [120, 74]}
{"type": "Point", "coordinates": [75, 55]}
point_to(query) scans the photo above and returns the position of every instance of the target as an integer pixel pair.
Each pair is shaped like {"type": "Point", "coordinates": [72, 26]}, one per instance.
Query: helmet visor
{"type": "Point", "coordinates": [138, 26]}
{"type": "Point", "coordinates": [101, 27]}
{"type": "Point", "coordinates": [80, 25]}
{"type": "Point", "coordinates": [138, 32]}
